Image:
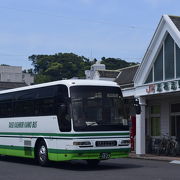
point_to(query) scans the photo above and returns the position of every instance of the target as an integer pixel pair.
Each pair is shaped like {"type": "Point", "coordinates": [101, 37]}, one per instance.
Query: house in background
{"type": "Point", "coordinates": [98, 72]}
{"type": "Point", "coordinates": [12, 77]}
{"type": "Point", "coordinates": [126, 76]}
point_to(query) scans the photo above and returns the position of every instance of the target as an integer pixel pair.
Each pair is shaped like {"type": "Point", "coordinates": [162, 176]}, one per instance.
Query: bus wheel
{"type": "Point", "coordinates": [93, 162]}
{"type": "Point", "coordinates": [42, 154]}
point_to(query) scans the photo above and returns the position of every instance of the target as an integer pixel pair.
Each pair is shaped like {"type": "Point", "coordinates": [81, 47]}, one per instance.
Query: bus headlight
{"type": "Point", "coordinates": [125, 142]}
{"type": "Point", "coordinates": [82, 143]}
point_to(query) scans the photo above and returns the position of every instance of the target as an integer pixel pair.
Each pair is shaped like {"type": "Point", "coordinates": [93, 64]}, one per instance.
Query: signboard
{"type": "Point", "coordinates": [163, 87]}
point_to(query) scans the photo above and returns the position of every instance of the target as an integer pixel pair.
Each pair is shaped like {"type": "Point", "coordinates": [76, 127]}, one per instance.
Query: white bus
{"type": "Point", "coordinates": [64, 120]}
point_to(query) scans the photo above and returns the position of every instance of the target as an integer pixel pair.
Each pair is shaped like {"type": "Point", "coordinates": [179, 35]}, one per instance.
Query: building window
{"type": "Point", "coordinates": [155, 120]}
{"type": "Point", "coordinates": [165, 62]}
{"type": "Point", "coordinates": [175, 120]}
{"type": "Point", "coordinates": [155, 109]}
{"type": "Point", "coordinates": [149, 78]}
{"type": "Point", "coordinates": [158, 67]}
{"type": "Point", "coordinates": [175, 108]}
{"type": "Point", "coordinates": [177, 61]}
{"type": "Point", "coordinates": [172, 126]}
{"type": "Point", "coordinates": [169, 57]}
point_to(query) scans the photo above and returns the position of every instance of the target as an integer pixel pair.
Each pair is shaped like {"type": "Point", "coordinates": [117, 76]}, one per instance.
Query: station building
{"type": "Point", "coordinates": [156, 84]}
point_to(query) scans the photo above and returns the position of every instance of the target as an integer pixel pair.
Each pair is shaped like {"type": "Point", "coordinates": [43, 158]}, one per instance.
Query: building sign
{"type": "Point", "coordinates": [151, 89]}
{"type": "Point", "coordinates": [163, 87]}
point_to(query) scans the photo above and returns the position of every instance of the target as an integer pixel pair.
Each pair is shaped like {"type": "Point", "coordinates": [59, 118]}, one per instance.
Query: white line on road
{"type": "Point", "coordinates": [175, 162]}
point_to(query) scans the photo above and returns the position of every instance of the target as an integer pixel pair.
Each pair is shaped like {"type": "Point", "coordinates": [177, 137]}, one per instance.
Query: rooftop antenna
{"type": "Point", "coordinates": [91, 58]}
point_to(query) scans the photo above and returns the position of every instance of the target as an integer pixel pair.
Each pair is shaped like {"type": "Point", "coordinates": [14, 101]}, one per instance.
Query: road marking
{"type": "Point", "coordinates": [175, 162]}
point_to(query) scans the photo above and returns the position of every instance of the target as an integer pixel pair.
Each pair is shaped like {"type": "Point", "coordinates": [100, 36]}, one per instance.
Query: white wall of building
{"type": "Point", "coordinates": [107, 79]}
{"type": "Point", "coordinates": [165, 104]}
{"type": "Point", "coordinates": [28, 78]}
{"type": "Point", "coordinates": [93, 72]}
{"type": "Point", "coordinates": [10, 73]}
{"type": "Point", "coordinates": [14, 74]}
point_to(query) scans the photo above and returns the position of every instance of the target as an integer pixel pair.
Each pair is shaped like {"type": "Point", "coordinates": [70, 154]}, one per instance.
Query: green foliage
{"type": "Point", "coordinates": [59, 66]}
{"type": "Point", "coordinates": [40, 78]}
{"type": "Point", "coordinates": [113, 63]}
{"type": "Point", "coordinates": [30, 71]}
{"type": "Point", "coordinates": [67, 65]}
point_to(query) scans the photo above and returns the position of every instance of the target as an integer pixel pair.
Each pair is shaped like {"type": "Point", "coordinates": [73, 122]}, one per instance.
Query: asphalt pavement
{"type": "Point", "coordinates": [12, 168]}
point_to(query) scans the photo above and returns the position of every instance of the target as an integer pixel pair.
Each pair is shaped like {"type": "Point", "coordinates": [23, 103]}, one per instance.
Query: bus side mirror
{"type": "Point", "coordinates": [137, 106]}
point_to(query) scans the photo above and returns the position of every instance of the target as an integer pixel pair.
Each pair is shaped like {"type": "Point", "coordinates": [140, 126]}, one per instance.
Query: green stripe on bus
{"type": "Point", "coordinates": [84, 156]}
{"type": "Point", "coordinates": [17, 151]}
{"type": "Point", "coordinates": [64, 135]}
{"type": "Point", "coordinates": [63, 154]}
{"type": "Point", "coordinates": [11, 147]}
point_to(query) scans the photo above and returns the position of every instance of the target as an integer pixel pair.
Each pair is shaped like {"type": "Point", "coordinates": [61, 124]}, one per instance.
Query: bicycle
{"type": "Point", "coordinates": [155, 145]}
{"type": "Point", "coordinates": [170, 147]}
{"type": "Point", "coordinates": [162, 149]}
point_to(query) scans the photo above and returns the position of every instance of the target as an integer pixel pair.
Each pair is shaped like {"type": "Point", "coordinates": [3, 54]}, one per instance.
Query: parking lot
{"type": "Point", "coordinates": [127, 168]}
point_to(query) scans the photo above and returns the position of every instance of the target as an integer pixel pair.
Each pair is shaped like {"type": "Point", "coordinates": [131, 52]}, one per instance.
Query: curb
{"type": "Point", "coordinates": [153, 157]}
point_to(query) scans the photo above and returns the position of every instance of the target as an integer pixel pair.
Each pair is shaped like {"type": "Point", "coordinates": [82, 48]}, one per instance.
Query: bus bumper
{"type": "Point", "coordinates": [65, 155]}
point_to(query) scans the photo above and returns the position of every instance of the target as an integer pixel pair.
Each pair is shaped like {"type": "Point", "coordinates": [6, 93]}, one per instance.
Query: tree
{"type": "Point", "coordinates": [68, 65]}
{"type": "Point", "coordinates": [115, 63]}
{"type": "Point", "coordinates": [30, 71]}
{"type": "Point", "coordinates": [59, 66]}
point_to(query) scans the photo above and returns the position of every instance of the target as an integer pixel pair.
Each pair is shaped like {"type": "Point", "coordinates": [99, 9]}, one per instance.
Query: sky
{"type": "Point", "coordinates": [91, 28]}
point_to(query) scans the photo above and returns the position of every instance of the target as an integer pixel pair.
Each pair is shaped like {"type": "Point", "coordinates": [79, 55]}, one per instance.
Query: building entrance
{"type": "Point", "coordinates": [175, 126]}
{"type": "Point", "coordinates": [175, 120]}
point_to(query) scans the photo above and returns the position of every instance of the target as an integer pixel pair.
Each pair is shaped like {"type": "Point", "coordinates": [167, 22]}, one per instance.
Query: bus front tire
{"type": "Point", "coordinates": [42, 154]}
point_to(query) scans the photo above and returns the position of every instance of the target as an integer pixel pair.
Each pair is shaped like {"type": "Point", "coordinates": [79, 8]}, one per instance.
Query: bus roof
{"type": "Point", "coordinates": [68, 83]}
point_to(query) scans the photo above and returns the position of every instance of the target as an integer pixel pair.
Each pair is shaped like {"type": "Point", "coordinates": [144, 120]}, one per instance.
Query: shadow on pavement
{"type": "Point", "coordinates": [18, 160]}
{"type": "Point", "coordinates": [83, 166]}
{"type": "Point", "coordinates": [72, 165]}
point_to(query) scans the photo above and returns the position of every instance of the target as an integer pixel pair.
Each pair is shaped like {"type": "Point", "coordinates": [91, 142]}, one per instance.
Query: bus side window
{"type": "Point", "coordinates": [6, 109]}
{"type": "Point", "coordinates": [62, 109]}
{"type": "Point", "coordinates": [64, 118]}
{"type": "Point", "coordinates": [18, 108]}
{"type": "Point", "coordinates": [45, 106]}
{"type": "Point", "coordinates": [28, 108]}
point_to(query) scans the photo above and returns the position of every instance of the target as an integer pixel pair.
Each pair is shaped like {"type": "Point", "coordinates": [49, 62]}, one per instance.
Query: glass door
{"type": "Point", "coordinates": [175, 126]}
{"type": "Point", "coordinates": [178, 126]}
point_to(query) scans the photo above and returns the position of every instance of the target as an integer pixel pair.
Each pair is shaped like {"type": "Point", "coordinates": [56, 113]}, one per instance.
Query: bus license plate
{"type": "Point", "coordinates": [104, 155]}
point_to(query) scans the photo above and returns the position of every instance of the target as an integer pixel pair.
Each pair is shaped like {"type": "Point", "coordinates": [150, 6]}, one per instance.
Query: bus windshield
{"type": "Point", "coordinates": [97, 108]}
